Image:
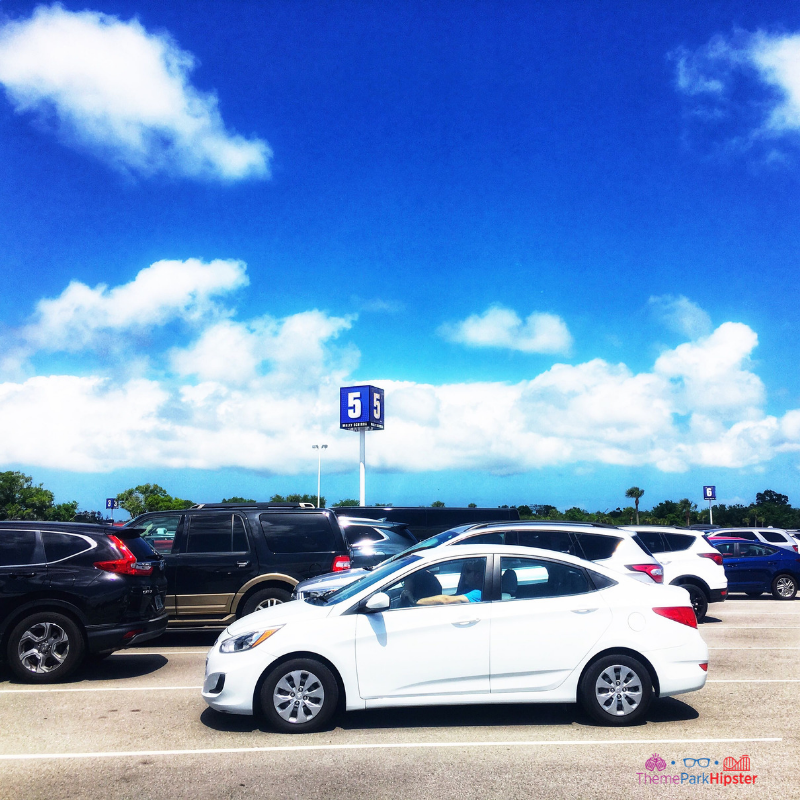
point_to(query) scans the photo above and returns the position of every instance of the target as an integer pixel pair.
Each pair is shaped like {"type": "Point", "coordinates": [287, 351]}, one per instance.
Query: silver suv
{"type": "Point", "coordinates": [615, 548]}
{"type": "Point", "coordinates": [776, 536]}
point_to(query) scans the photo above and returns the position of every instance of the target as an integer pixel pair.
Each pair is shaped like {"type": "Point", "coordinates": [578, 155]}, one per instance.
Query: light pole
{"type": "Point", "coordinates": [319, 448]}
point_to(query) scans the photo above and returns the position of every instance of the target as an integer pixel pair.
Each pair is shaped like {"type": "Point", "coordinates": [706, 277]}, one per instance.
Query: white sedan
{"type": "Point", "coordinates": [480, 624]}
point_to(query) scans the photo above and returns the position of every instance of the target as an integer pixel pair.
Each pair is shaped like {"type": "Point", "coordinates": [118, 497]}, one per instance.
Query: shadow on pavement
{"type": "Point", "coordinates": [709, 620]}
{"type": "Point", "coordinates": [197, 639]}
{"type": "Point", "coordinates": [109, 669]}
{"type": "Point", "coordinates": [489, 716]}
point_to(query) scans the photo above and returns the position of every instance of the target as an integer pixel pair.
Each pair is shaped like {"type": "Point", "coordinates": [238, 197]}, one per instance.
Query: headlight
{"type": "Point", "coordinates": [247, 641]}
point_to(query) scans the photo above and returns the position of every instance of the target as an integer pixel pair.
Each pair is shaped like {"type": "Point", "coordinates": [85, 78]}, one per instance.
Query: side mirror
{"type": "Point", "coordinates": [378, 602]}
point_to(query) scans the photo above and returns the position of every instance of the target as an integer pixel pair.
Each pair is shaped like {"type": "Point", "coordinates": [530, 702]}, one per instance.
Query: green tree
{"type": "Point", "coordinates": [472, 505]}
{"type": "Point", "coordinates": [768, 497]}
{"type": "Point", "coordinates": [524, 511]}
{"type": "Point", "coordinates": [149, 497]}
{"type": "Point", "coordinates": [635, 493]}
{"type": "Point", "coordinates": [238, 500]}
{"type": "Point", "coordinates": [21, 499]}
{"type": "Point", "coordinates": [437, 504]}
{"type": "Point", "coordinates": [298, 498]}
{"type": "Point", "coordinates": [346, 504]}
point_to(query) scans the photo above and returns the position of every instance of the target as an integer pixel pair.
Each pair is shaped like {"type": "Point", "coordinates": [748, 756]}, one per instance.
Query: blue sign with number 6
{"type": "Point", "coordinates": [709, 493]}
{"type": "Point", "coordinates": [361, 408]}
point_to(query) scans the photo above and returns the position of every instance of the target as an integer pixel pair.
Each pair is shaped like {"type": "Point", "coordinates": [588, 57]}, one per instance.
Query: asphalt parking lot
{"type": "Point", "coordinates": [135, 726]}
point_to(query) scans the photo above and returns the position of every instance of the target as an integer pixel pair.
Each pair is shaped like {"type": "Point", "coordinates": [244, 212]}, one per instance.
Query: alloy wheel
{"type": "Point", "coordinates": [43, 647]}
{"type": "Point", "coordinates": [268, 602]}
{"type": "Point", "coordinates": [618, 690]}
{"type": "Point", "coordinates": [784, 586]}
{"type": "Point", "coordinates": [298, 696]}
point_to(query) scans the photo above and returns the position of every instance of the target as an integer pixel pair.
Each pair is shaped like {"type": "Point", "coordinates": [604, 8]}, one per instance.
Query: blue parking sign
{"type": "Point", "coordinates": [112, 503]}
{"type": "Point", "coordinates": [709, 493]}
{"type": "Point", "coordinates": [361, 408]}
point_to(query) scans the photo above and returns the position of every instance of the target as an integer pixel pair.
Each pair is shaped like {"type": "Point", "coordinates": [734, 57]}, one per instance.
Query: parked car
{"type": "Point", "coordinates": [372, 541]}
{"type": "Point", "coordinates": [426, 522]}
{"type": "Point", "coordinates": [755, 568]}
{"type": "Point", "coordinates": [472, 624]}
{"type": "Point", "coordinates": [776, 536]}
{"type": "Point", "coordinates": [603, 544]}
{"type": "Point", "coordinates": [689, 561]}
{"type": "Point", "coordinates": [71, 590]}
{"type": "Point", "coordinates": [225, 560]}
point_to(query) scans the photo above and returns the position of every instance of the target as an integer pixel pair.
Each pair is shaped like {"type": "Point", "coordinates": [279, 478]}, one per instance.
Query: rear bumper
{"type": "Point", "coordinates": [103, 638]}
{"type": "Point", "coordinates": [717, 595]}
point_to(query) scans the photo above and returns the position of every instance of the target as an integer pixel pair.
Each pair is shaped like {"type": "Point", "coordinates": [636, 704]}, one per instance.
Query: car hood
{"type": "Point", "coordinates": [331, 580]}
{"type": "Point", "coordinates": [295, 610]}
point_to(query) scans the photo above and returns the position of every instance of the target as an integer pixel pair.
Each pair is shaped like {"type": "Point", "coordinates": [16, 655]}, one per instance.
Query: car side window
{"type": "Point", "coordinates": [653, 541]}
{"type": "Point", "coordinates": [498, 537]}
{"type": "Point", "coordinates": [216, 533]}
{"type": "Point", "coordinates": [557, 541]}
{"type": "Point", "coordinates": [597, 547]}
{"type": "Point", "coordinates": [744, 535]}
{"type": "Point", "coordinates": [460, 580]}
{"type": "Point", "coordinates": [160, 532]}
{"type": "Point", "coordinates": [528, 578]}
{"type": "Point", "coordinates": [773, 536]}
{"type": "Point", "coordinates": [726, 548]}
{"type": "Point", "coordinates": [297, 533]}
{"type": "Point", "coordinates": [678, 541]}
{"type": "Point", "coordinates": [59, 546]}
{"type": "Point", "coordinates": [754, 550]}
{"type": "Point", "coordinates": [357, 534]}
{"type": "Point", "coordinates": [17, 548]}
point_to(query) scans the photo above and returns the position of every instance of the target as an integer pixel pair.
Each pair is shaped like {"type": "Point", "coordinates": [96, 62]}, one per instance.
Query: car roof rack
{"type": "Point", "coordinates": [225, 506]}
{"type": "Point", "coordinates": [513, 523]}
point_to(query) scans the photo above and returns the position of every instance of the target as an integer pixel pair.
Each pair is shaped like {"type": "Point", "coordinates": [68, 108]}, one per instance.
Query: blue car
{"type": "Point", "coordinates": [755, 568]}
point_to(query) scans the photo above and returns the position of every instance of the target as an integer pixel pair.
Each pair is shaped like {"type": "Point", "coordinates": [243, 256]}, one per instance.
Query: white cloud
{"type": "Point", "coordinates": [502, 327]}
{"type": "Point", "coordinates": [124, 94]}
{"type": "Point", "coordinates": [159, 294]}
{"type": "Point", "coordinates": [253, 394]}
{"type": "Point", "coordinates": [749, 82]}
{"type": "Point", "coordinates": [681, 315]}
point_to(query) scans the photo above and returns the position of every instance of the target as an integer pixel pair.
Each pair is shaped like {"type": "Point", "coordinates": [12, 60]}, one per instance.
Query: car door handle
{"type": "Point", "coordinates": [242, 564]}
{"type": "Point", "coordinates": [465, 623]}
{"type": "Point", "coordinates": [583, 610]}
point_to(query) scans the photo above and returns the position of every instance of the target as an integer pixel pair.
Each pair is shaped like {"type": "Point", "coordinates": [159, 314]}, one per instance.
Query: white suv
{"type": "Point", "coordinates": [776, 536]}
{"type": "Point", "coordinates": [689, 561]}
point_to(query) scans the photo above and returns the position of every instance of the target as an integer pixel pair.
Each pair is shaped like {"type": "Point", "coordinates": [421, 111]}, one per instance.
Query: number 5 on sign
{"type": "Point", "coordinates": [354, 405]}
{"type": "Point", "coordinates": [376, 406]}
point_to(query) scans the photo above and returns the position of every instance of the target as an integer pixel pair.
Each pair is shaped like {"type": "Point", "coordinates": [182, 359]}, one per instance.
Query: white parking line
{"type": "Point", "coordinates": [159, 653]}
{"type": "Point", "coordinates": [373, 746]}
{"type": "Point", "coordinates": [103, 689]}
{"type": "Point", "coordinates": [705, 629]}
{"type": "Point", "coordinates": [754, 648]}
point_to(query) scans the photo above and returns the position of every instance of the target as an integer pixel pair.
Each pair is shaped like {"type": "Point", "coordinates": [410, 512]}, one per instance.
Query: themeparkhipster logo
{"type": "Point", "coordinates": [702, 771]}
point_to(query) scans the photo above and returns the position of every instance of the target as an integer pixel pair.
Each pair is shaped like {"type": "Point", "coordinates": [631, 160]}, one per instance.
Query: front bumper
{"type": "Point", "coordinates": [231, 679]}
{"type": "Point", "coordinates": [106, 638]}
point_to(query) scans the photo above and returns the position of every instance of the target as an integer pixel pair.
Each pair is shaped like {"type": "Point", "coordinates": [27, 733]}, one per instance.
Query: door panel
{"type": "Point", "coordinates": [546, 623]}
{"type": "Point", "coordinates": [22, 567]}
{"type": "Point", "coordinates": [217, 561]}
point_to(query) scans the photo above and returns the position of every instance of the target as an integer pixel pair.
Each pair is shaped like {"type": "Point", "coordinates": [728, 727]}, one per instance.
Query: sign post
{"type": "Point", "coordinates": [361, 409]}
{"type": "Point", "coordinates": [710, 493]}
{"type": "Point", "coordinates": [111, 504]}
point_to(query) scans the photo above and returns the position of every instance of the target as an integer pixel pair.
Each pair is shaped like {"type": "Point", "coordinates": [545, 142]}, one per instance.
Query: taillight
{"type": "Point", "coordinates": [653, 570]}
{"type": "Point", "coordinates": [340, 564]}
{"type": "Point", "coordinates": [704, 666]}
{"type": "Point", "coordinates": [683, 614]}
{"type": "Point", "coordinates": [794, 547]}
{"type": "Point", "coordinates": [127, 565]}
{"type": "Point", "coordinates": [715, 557]}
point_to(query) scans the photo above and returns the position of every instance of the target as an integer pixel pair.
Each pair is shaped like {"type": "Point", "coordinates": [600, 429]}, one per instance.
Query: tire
{"type": "Point", "coordinates": [784, 587]}
{"type": "Point", "coordinates": [698, 598]}
{"type": "Point", "coordinates": [314, 704]}
{"type": "Point", "coordinates": [265, 598]}
{"type": "Point", "coordinates": [45, 647]}
{"type": "Point", "coordinates": [608, 707]}
{"type": "Point", "coordinates": [754, 594]}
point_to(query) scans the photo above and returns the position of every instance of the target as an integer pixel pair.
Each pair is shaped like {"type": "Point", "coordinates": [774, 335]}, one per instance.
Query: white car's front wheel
{"type": "Point", "coordinates": [299, 696]}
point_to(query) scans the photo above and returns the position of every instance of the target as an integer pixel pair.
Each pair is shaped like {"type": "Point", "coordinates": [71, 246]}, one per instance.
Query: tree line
{"type": "Point", "coordinates": [21, 499]}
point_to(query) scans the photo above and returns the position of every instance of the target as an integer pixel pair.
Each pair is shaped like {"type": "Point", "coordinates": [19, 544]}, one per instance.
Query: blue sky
{"type": "Point", "coordinates": [564, 239]}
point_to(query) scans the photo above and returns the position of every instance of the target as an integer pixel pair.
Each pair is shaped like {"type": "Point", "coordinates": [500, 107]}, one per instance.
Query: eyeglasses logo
{"type": "Point", "coordinates": [700, 762]}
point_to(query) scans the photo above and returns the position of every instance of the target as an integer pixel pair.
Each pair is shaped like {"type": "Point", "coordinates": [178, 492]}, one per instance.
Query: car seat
{"type": "Point", "coordinates": [508, 585]}
{"type": "Point", "coordinates": [418, 585]}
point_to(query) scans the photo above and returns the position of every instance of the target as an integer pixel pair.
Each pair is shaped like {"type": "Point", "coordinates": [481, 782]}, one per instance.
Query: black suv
{"type": "Point", "coordinates": [69, 590]}
{"type": "Point", "coordinates": [225, 560]}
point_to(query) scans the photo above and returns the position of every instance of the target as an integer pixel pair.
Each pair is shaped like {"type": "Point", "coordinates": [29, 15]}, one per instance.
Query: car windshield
{"type": "Point", "coordinates": [378, 574]}
{"type": "Point", "coordinates": [427, 544]}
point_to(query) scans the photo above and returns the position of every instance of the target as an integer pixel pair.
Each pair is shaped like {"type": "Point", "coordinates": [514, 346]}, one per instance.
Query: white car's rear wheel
{"type": "Point", "coordinates": [616, 690]}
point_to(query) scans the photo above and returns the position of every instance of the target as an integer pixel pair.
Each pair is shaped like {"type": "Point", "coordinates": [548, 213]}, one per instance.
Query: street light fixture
{"type": "Point", "coordinates": [319, 448]}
